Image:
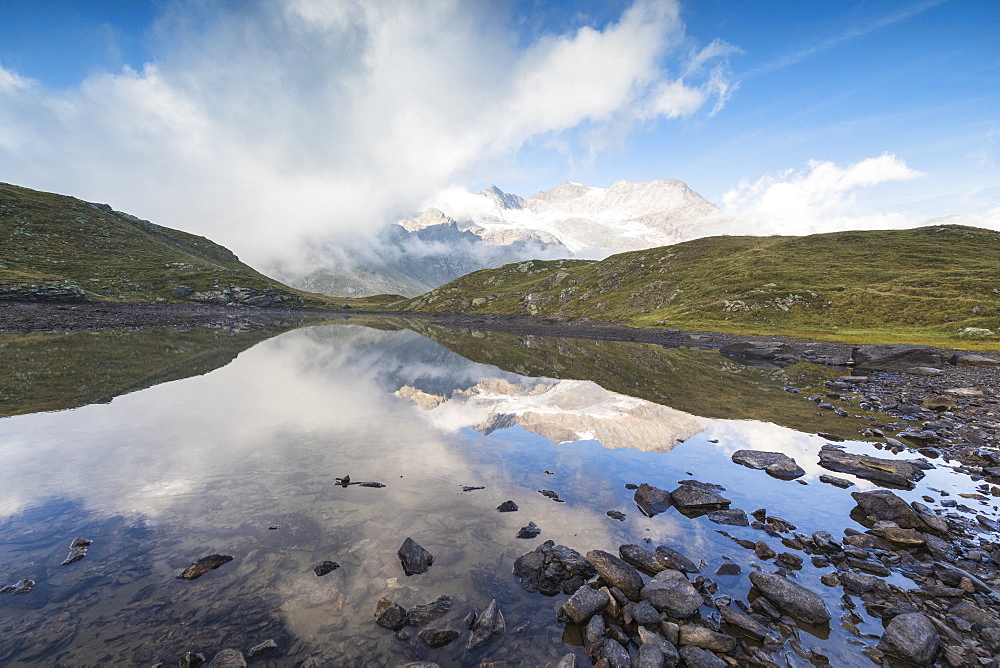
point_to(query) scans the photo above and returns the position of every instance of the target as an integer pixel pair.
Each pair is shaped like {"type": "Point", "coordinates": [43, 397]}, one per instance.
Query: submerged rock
{"type": "Point", "coordinates": [530, 531]}
{"type": "Point", "coordinates": [20, 587]}
{"type": "Point", "coordinates": [325, 567]}
{"type": "Point", "coordinates": [791, 597]}
{"type": "Point", "coordinates": [414, 558]}
{"type": "Point", "coordinates": [652, 500]}
{"type": "Point", "coordinates": [228, 658]}
{"type": "Point", "coordinates": [490, 625]}
{"type": "Point", "coordinates": [437, 638]}
{"type": "Point", "coordinates": [898, 472]}
{"type": "Point", "coordinates": [204, 565]}
{"type": "Point", "coordinates": [731, 516]}
{"type": "Point", "coordinates": [552, 568]}
{"type": "Point", "coordinates": [390, 615]}
{"type": "Point", "coordinates": [776, 464]}
{"type": "Point", "coordinates": [568, 661]}
{"type": "Point", "coordinates": [420, 615]}
{"type": "Point", "coordinates": [911, 637]}
{"type": "Point", "coordinates": [263, 647]}
{"type": "Point", "coordinates": [77, 550]}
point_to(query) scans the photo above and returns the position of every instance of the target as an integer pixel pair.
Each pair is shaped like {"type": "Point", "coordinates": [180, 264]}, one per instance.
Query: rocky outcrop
{"type": "Point", "coordinates": [63, 291]}
{"type": "Point", "coordinates": [897, 357]}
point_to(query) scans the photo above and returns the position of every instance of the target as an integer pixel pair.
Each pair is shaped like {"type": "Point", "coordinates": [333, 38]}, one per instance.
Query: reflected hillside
{"type": "Point", "coordinates": [50, 371]}
{"type": "Point", "coordinates": [703, 383]}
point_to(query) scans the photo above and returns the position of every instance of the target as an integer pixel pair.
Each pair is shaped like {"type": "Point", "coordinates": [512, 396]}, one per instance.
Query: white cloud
{"type": "Point", "coordinates": [280, 127]}
{"type": "Point", "coordinates": [820, 199]}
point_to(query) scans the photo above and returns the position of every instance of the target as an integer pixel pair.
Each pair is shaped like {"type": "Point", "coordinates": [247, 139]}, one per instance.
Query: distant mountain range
{"type": "Point", "coordinates": [492, 227]}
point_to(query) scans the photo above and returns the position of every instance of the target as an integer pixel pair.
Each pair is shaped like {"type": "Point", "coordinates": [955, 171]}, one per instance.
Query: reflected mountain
{"type": "Point", "coordinates": [700, 382]}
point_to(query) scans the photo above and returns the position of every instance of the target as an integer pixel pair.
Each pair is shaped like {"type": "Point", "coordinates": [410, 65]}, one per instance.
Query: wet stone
{"type": "Point", "coordinates": [672, 593]}
{"type": "Point", "coordinates": [437, 638]}
{"type": "Point", "coordinates": [507, 507]}
{"type": "Point", "coordinates": [729, 568]}
{"type": "Point", "coordinates": [325, 567]}
{"type": "Point", "coordinates": [649, 656]}
{"type": "Point", "coordinates": [911, 637]}
{"type": "Point", "coordinates": [582, 605]}
{"type": "Point", "coordinates": [898, 472]}
{"type": "Point", "coordinates": [644, 613]}
{"type": "Point", "coordinates": [529, 531]}
{"type": "Point", "coordinates": [616, 572]}
{"type": "Point", "coordinates": [699, 636]}
{"type": "Point", "coordinates": [696, 657]}
{"type": "Point", "coordinates": [490, 625]}
{"type": "Point", "coordinates": [390, 615]}
{"type": "Point", "coordinates": [843, 483]}
{"type": "Point", "coordinates": [671, 558]}
{"type": "Point", "coordinates": [228, 658]}
{"type": "Point", "coordinates": [729, 516]}
{"type": "Point", "coordinates": [791, 597]}
{"type": "Point", "coordinates": [262, 648]}
{"type": "Point", "coordinates": [593, 635]}
{"type": "Point", "coordinates": [549, 494]}
{"type": "Point", "coordinates": [616, 655]}
{"type": "Point", "coordinates": [640, 557]}
{"type": "Point", "coordinates": [414, 558]}
{"type": "Point", "coordinates": [77, 550]}
{"type": "Point", "coordinates": [616, 515]}
{"type": "Point", "coordinates": [697, 496]}
{"type": "Point", "coordinates": [652, 500]}
{"type": "Point", "coordinates": [20, 587]}
{"type": "Point", "coordinates": [490, 586]}
{"type": "Point", "coordinates": [552, 568]}
{"type": "Point", "coordinates": [568, 661]}
{"type": "Point", "coordinates": [204, 565]}
{"type": "Point", "coordinates": [191, 660]}
{"type": "Point", "coordinates": [420, 615]}
{"type": "Point", "coordinates": [776, 464]}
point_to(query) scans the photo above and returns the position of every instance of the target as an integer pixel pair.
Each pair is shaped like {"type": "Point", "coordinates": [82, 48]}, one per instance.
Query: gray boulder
{"type": "Point", "coordinates": [672, 593]}
{"type": "Point", "coordinates": [911, 637]}
{"type": "Point", "coordinates": [897, 472]}
{"type": "Point", "coordinates": [698, 496]}
{"type": "Point", "coordinates": [229, 658]}
{"type": "Point", "coordinates": [616, 572]}
{"type": "Point", "coordinates": [651, 500]}
{"type": "Point", "coordinates": [696, 657]}
{"type": "Point", "coordinates": [671, 558]}
{"type": "Point", "coordinates": [791, 597]}
{"type": "Point", "coordinates": [582, 605]}
{"type": "Point", "coordinates": [640, 557]}
{"type": "Point", "coordinates": [414, 558]}
{"type": "Point", "coordinates": [552, 568]}
{"type": "Point", "coordinates": [897, 357]}
{"type": "Point", "coordinates": [490, 625]}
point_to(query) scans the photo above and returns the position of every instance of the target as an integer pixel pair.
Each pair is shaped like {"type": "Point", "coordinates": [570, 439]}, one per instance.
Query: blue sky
{"type": "Point", "coordinates": [259, 122]}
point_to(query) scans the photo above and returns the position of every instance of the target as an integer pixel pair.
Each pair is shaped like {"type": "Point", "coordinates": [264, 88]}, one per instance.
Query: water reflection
{"type": "Point", "coordinates": [210, 463]}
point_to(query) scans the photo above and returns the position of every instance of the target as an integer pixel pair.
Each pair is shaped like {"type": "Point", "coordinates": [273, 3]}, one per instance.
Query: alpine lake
{"type": "Point", "coordinates": [165, 446]}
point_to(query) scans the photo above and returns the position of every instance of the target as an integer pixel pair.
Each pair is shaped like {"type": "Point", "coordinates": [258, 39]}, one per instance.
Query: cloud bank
{"type": "Point", "coordinates": [281, 128]}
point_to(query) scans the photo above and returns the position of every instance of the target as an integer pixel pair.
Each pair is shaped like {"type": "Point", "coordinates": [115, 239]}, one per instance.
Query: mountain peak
{"type": "Point", "coordinates": [501, 199]}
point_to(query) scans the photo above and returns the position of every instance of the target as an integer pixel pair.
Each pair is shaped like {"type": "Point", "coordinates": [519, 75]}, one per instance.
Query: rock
{"type": "Point", "coordinates": [530, 531]}
{"type": "Point", "coordinates": [897, 357]}
{"type": "Point", "coordinates": [616, 572]}
{"type": "Point", "coordinates": [615, 515]}
{"type": "Point", "coordinates": [899, 472]}
{"type": "Point", "coordinates": [616, 655]}
{"type": "Point", "coordinates": [671, 592]}
{"type": "Point", "coordinates": [911, 637]}
{"type": "Point", "coordinates": [549, 494]}
{"type": "Point", "coordinates": [835, 481]}
{"type": "Point", "coordinates": [77, 550]}
{"type": "Point", "coordinates": [791, 597]}
{"type": "Point", "coordinates": [926, 371]}
{"type": "Point", "coordinates": [428, 612]}
{"type": "Point", "coordinates": [490, 586]}
{"type": "Point", "coordinates": [262, 648]}
{"type": "Point", "coordinates": [568, 661]}
{"type": "Point", "coordinates": [775, 463]}
{"type": "Point", "coordinates": [731, 516]}
{"type": "Point", "coordinates": [593, 635]}
{"type": "Point", "coordinates": [975, 615]}
{"type": "Point", "coordinates": [204, 565]}
{"type": "Point", "coordinates": [899, 536]}
{"type": "Point", "coordinates": [437, 638]}
{"type": "Point", "coordinates": [857, 583]}
{"type": "Point", "coordinates": [671, 558]}
{"type": "Point", "coordinates": [490, 625]}
{"type": "Point", "coordinates": [939, 404]}
{"type": "Point", "coordinates": [552, 568]}
{"type": "Point", "coordinates": [507, 507]}
{"type": "Point", "coordinates": [640, 557]}
{"type": "Point", "coordinates": [649, 656]}
{"type": "Point", "coordinates": [582, 605]}
{"type": "Point", "coordinates": [747, 625]}
{"type": "Point", "coordinates": [390, 615]}
{"type": "Point", "coordinates": [644, 613]}
{"type": "Point", "coordinates": [414, 558]}
{"type": "Point", "coordinates": [696, 497]}
{"type": "Point", "coordinates": [191, 660]}
{"type": "Point", "coordinates": [836, 438]}
{"type": "Point", "coordinates": [759, 349]}
{"type": "Point", "coordinates": [696, 657]}
{"type": "Point", "coordinates": [729, 568]}
{"type": "Point", "coordinates": [228, 658]}
{"type": "Point", "coordinates": [651, 500]}
{"type": "Point", "coordinates": [19, 588]}
{"type": "Point", "coordinates": [969, 359]}
{"type": "Point", "coordinates": [699, 636]}
{"type": "Point", "coordinates": [325, 567]}
{"type": "Point", "coordinates": [885, 506]}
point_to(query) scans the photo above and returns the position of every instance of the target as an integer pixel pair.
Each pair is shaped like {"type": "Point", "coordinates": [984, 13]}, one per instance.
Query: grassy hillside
{"type": "Point", "coordinates": [61, 248]}
{"type": "Point", "coordinates": [931, 281]}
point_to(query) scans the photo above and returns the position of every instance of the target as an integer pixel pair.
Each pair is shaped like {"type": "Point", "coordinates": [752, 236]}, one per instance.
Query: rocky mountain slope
{"type": "Point", "coordinates": [58, 248]}
{"type": "Point", "coordinates": [939, 280]}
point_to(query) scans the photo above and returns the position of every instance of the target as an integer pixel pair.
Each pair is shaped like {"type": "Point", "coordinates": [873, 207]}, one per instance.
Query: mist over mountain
{"type": "Point", "coordinates": [460, 232]}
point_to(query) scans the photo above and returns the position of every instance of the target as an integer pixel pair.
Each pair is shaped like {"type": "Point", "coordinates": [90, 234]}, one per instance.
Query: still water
{"type": "Point", "coordinates": [165, 446]}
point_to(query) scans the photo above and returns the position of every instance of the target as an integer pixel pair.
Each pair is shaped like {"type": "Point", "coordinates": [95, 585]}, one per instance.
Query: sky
{"type": "Point", "coordinates": [279, 127]}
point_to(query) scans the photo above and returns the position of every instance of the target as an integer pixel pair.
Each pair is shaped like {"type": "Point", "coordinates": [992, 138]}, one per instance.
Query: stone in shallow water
{"type": "Point", "coordinates": [651, 500]}
{"type": "Point", "coordinates": [696, 657]}
{"type": "Point", "coordinates": [582, 605]}
{"type": "Point", "coordinates": [616, 515]}
{"type": "Point", "coordinates": [77, 550]}
{"type": "Point", "coordinates": [228, 658]}
{"type": "Point", "coordinates": [729, 568]}
{"type": "Point", "coordinates": [672, 593]}
{"type": "Point", "coordinates": [552, 568]}
{"type": "Point", "coordinates": [390, 615]}
{"type": "Point", "coordinates": [698, 496]}
{"type": "Point", "coordinates": [843, 483]}
{"type": "Point", "coordinates": [671, 558]}
{"type": "Point", "coordinates": [20, 587]}
{"type": "Point", "coordinates": [428, 612]}
{"type": "Point", "coordinates": [437, 638]}
{"type": "Point", "coordinates": [490, 625]}
{"type": "Point", "coordinates": [414, 558]}
{"type": "Point", "coordinates": [507, 507]}
{"type": "Point", "coordinates": [616, 572]}
{"type": "Point", "coordinates": [794, 599]}
{"type": "Point", "coordinates": [911, 637]}
{"type": "Point", "coordinates": [898, 472]}
{"type": "Point", "coordinates": [568, 661]}
{"type": "Point", "coordinates": [776, 464]}
{"type": "Point", "coordinates": [529, 531]}
{"type": "Point", "coordinates": [731, 516]}
{"type": "Point", "coordinates": [263, 647]}
{"type": "Point", "coordinates": [204, 565]}
{"type": "Point", "coordinates": [640, 557]}
{"type": "Point", "coordinates": [325, 567]}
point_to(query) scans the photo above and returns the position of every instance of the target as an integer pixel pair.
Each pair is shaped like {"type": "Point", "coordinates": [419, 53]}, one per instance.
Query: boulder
{"type": "Point", "coordinates": [897, 357]}
{"type": "Point", "coordinates": [767, 350]}
{"type": "Point", "coordinates": [414, 558]}
{"type": "Point", "coordinates": [911, 637]}
{"type": "Point", "coordinates": [552, 568]}
{"type": "Point", "coordinates": [390, 615]}
{"type": "Point", "coordinates": [696, 657]}
{"type": "Point", "coordinates": [616, 654]}
{"type": "Point", "coordinates": [671, 592]}
{"type": "Point", "coordinates": [791, 597]}
{"type": "Point", "coordinates": [490, 625]}
{"type": "Point", "coordinates": [437, 637]}
{"type": "Point", "coordinates": [651, 500]}
{"type": "Point", "coordinates": [582, 605]}
{"type": "Point", "coordinates": [529, 531]}
{"type": "Point", "coordinates": [671, 558]}
{"type": "Point", "coordinates": [640, 557]}
{"type": "Point", "coordinates": [616, 572]}
{"type": "Point", "coordinates": [776, 464]}
{"type": "Point", "coordinates": [886, 506]}
{"type": "Point", "coordinates": [697, 497]}
{"type": "Point", "coordinates": [699, 636]}
{"type": "Point", "coordinates": [898, 472]}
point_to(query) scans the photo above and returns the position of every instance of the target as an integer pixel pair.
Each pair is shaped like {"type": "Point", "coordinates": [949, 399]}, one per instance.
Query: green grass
{"type": "Point", "coordinates": [54, 240]}
{"type": "Point", "coordinates": [927, 283]}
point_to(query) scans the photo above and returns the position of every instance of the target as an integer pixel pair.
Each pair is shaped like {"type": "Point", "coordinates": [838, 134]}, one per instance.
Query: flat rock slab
{"type": "Point", "coordinates": [652, 500]}
{"type": "Point", "coordinates": [204, 565]}
{"type": "Point", "coordinates": [897, 357]}
{"type": "Point", "coordinates": [697, 496]}
{"type": "Point", "coordinates": [897, 472]}
{"type": "Point", "coordinates": [776, 464]}
{"type": "Point", "coordinates": [886, 506]}
{"type": "Point", "coordinates": [767, 350]}
{"type": "Point", "coordinates": [414, 558]}
{"type": "Point", "coordinates": [640, 557]}
{"type": "Point", "coordinates": [671, 558]}
{"type": "Point", "coordinates": [791, 597]}
{"type": "Point", "coordinates": [730, 516]}
{"type": "Point", "coordinates": [420, 615]}
{"type": "Point", "coordinates": [911, 637]}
